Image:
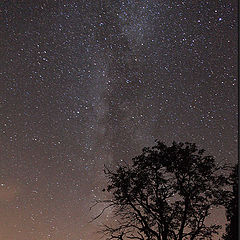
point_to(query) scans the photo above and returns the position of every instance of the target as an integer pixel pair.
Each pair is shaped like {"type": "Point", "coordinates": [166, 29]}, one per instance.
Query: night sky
{"type": "Point", "coordinates": [88, 83]}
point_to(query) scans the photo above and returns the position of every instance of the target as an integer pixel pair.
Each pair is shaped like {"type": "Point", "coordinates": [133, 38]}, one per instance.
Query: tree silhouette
{"type": "Point", "coordinates": [167, 193]}
{"type": "Point", "coordinates": [231, 205]}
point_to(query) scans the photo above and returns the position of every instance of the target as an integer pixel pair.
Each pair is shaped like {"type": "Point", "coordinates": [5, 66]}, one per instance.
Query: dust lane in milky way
{"type": "Point", "coordinates": [88, 83]}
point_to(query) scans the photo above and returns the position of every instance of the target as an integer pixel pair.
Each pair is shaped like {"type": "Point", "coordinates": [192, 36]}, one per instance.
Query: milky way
{"type": "Point", "coordinates": [88, 83]}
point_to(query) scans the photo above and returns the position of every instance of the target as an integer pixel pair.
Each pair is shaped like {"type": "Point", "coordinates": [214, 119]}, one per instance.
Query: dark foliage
{"type": "Point", "coordinates": [167, 193]}
{"type": "Point", "coordinates": [231, 205]}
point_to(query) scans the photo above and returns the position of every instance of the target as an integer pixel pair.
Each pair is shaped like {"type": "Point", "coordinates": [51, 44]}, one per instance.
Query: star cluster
{"type": "Point", "coordinates": [88, 83]}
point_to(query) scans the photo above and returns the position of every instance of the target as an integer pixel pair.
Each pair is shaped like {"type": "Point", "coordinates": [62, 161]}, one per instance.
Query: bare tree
{"type": "Point", "coordinates": [167, 193]}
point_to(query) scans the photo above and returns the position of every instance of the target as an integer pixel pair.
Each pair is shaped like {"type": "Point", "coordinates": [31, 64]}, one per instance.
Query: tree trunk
{"type": "Point", "coordinates": [184, 219]}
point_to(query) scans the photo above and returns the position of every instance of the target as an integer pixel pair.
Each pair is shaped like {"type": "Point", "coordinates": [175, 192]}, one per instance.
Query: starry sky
{"type": "Point", "coordinates": [88, 83]}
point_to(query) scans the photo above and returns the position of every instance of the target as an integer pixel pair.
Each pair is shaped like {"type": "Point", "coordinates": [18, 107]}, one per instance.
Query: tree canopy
{"type": "Point", "coordinates": [231, 204]}
{"type": "Point", "coordinates": [166, 193]}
